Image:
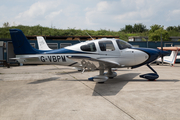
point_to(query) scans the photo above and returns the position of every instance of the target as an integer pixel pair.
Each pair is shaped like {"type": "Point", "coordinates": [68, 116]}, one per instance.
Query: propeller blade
{"type": "Point", "coordinates": [161, 50]}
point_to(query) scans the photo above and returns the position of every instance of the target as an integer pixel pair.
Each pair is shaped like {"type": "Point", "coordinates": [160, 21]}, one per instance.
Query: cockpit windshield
{"type": "Point", "coordinates": [123, 45]}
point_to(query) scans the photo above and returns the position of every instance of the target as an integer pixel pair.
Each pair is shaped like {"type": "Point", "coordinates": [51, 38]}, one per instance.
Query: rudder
{"type": "Point", "coordinates": [21, 44]}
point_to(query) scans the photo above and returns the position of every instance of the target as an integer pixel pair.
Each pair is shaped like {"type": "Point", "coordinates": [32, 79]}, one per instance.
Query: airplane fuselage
{"type": "Point", "coordinates": [126, 57]}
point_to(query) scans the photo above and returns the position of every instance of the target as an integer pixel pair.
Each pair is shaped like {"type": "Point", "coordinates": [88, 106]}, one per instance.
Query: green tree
{"type": "Point", "coordinates": [170, 28]}
{"type": "Point", "coordinates": [178, 27]}
{"type": "Point", "coordinates": [173, 28]}
{"type": "Point", "coordinates": [6, 24]}
{"type": "Point", "coordinates": [139, 28]}
{"type": "Point", "coordinates": [128, 28]}
{"type": "Point", "coordinates": [155, 27]}
{"type": "Point", "coordinates": [156, 35]}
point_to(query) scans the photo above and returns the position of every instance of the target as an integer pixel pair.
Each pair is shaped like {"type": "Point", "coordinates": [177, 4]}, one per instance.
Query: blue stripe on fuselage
{"type": "Point", "coordinates": [63, 51]}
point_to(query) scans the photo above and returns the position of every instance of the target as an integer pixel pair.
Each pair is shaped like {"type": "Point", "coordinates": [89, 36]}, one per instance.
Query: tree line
{"type": "Point", "coordinates": [154, 33]}
{"type": "Point", "coordinates": [139, 28]}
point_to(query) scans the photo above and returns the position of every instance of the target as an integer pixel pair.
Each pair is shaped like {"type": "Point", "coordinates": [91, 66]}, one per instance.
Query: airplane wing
{"type": "Point", "coordinates": [107, 63]}
{"type": "Point", "coordinates": [27, 59]}
{"type": "Point", "coordinates": [170, 48]}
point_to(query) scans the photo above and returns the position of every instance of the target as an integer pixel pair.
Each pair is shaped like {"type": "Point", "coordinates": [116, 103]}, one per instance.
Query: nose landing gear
{"type": "Point", "coordinates": [150, 76]}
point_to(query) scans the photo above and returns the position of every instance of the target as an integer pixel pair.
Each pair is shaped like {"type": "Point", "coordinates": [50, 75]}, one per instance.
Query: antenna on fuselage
{"type": "Point", "coordinates": [89, 35]}
{"type": "Point", "coordinates": [79, 40]}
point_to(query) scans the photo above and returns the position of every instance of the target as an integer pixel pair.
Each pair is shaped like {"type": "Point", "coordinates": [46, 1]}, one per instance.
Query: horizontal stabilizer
{"type": "Point", "coordinates": [178, 57]}
{"type": "Point", "coordinates": [24, 58]}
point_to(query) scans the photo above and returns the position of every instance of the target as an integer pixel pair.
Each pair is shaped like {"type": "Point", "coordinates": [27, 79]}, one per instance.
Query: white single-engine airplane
{"type": "Point", "coordinates": [173, 56]}
{"type": "Point", "coordinates": [166, 59]}
{"type": "Point", "coordinates": [103, 53]}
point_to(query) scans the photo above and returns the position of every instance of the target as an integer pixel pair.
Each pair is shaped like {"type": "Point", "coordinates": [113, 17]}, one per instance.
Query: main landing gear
{"type": "Point", "coordinates": [102, 77]}
{"type": "Point", "coordinates": [150, 76]}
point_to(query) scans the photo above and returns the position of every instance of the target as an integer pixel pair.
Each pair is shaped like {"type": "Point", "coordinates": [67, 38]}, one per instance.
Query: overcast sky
{"type": "Point", "coordinates": [90, 14]}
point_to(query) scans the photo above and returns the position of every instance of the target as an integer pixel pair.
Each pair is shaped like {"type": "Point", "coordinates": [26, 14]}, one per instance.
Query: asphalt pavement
{"type": "Point", "coordinates": [44, 92]}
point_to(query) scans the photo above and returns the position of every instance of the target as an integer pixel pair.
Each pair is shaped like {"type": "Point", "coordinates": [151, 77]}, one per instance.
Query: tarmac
{"type": "Point", "coordinates": [44, 92]}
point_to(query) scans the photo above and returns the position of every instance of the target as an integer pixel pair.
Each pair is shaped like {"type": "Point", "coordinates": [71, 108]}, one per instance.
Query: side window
{"type": "Point", "coordinates": [89, 47]}
{"type": "Point", "coordinates": [106, 46]}
{"type": "Point", "coordinates": [122, 44]}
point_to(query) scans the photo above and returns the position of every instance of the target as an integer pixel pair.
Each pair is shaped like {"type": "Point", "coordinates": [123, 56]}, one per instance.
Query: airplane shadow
{"type": "Point", "coordinates": [176, 66]}
{"type": "Point", "coordinates": [113, 86]}
{"type": "Point", "coordinates": [124, 70]}
{"type": "Point", "coordinates": [159, 80]}
{"type": "Point", "coordinates": [58, 69]}
{"type": "Point", "coordinates": [44, 80]}
{"type": "Point", "coordinates": [71, 72]}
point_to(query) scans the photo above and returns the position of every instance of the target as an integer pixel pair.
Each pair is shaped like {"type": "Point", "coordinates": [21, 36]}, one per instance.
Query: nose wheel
{"type": "Point", "coordinates": [150, 76]}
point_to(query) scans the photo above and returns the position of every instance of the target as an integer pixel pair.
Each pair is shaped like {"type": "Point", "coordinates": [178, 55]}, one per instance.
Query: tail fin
{"type": "Point", "coordinates": [21, 44]}
{"type": "Point", "coordinates": [42, 43]}
{"type": "Point", "coordinates": [173, 57]}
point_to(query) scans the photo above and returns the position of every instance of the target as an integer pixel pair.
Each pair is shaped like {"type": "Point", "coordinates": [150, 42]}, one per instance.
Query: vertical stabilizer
{"type": "Point", "coordinates": [42, 43]}
{"type": "Point", "coordinates": [21, 44]}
